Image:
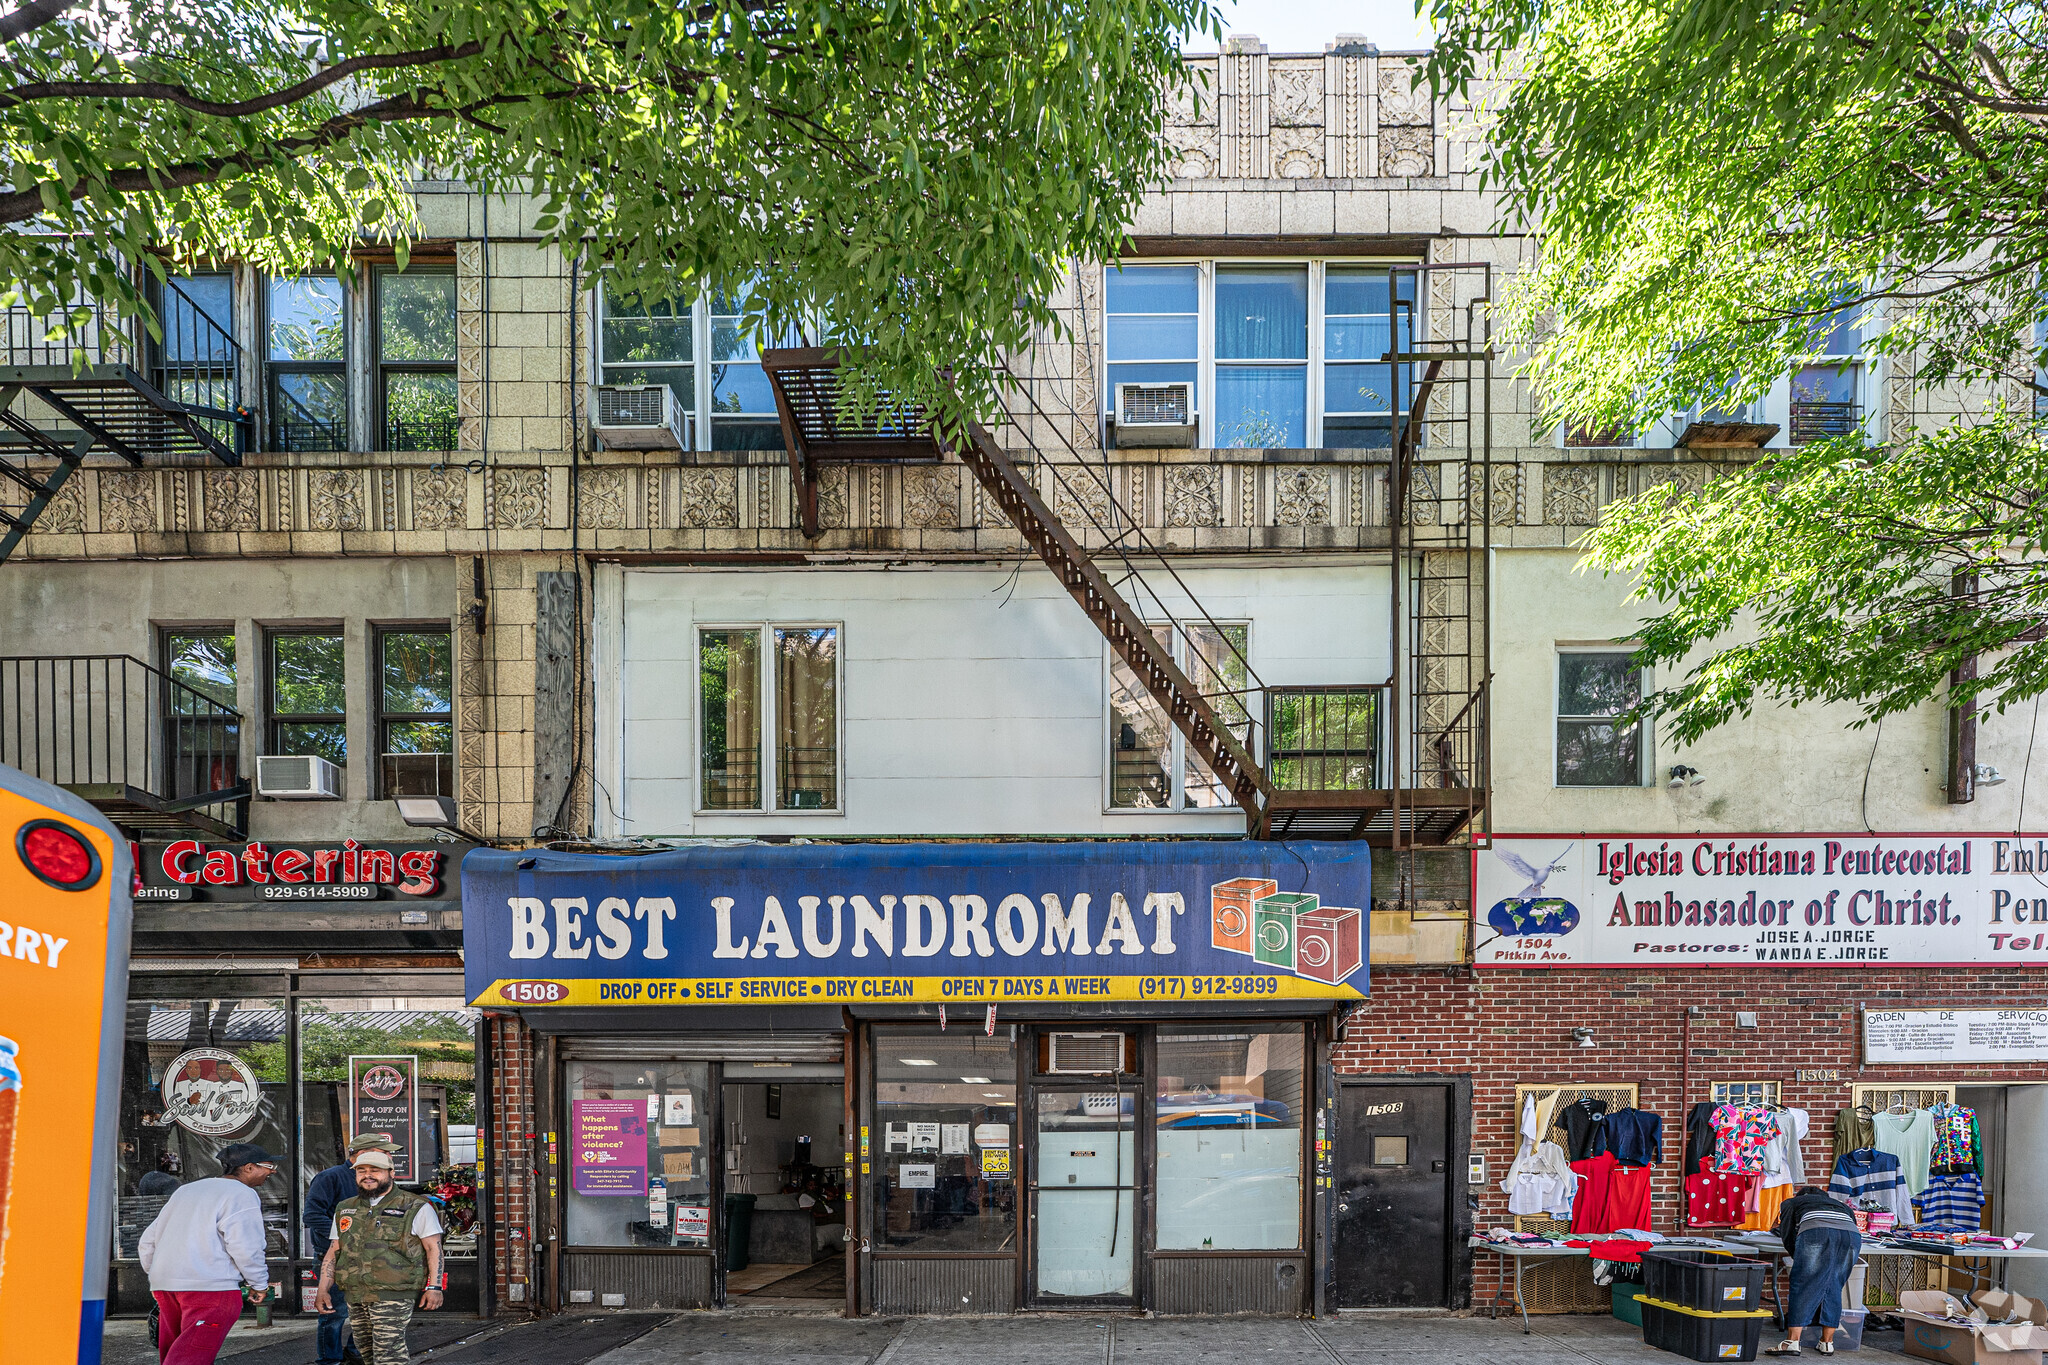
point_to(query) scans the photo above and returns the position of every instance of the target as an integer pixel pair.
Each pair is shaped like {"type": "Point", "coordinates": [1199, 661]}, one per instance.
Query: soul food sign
{"type": "Point", "coordinates": [1819, 900]}
{"type": "Point", "coordinates": [907, 922]}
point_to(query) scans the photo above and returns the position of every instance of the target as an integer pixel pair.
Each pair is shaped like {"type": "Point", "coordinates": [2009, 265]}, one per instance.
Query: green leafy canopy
{"type": "Point", "coordinates": [918, 173]}
{"type": "Point", "coordinates": [1712, 185]}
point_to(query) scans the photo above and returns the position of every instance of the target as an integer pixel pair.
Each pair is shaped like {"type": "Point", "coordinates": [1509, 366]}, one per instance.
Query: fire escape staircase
{"type": "Point", "coordinates": [820, 430]}
{"type": "Point", "coordinates": [78, 384]}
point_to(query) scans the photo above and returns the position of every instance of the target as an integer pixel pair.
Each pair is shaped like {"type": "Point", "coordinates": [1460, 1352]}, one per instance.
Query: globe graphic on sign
{"type": "Point", "coordinates": [1534, 918]}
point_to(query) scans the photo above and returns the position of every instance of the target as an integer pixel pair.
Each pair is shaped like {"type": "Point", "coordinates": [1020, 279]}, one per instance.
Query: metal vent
{"type": "Point", "coordinates": [1154, 404]}
{"type": "Point", "coordinates": [1085, 1054]}
{"type": "Point", "coordinates": [629, 407]}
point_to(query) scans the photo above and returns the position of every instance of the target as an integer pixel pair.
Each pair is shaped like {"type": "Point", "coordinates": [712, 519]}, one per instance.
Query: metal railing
{"type": "Point", "coordinates": [1455, 756]}
{"type": "Point", "coordinates": [1824, 421]}
{"type": "Point", "coordinates": [133, 734]}
{"type": "Point", "coordinates": [87, 333]}
{"type": "Point", "coordinates": [1326, 738]}
{"type": "Point", "coordinates": [198, 363]}
{"type": "Point", "coordinates": [432, 433]}
{"type": "Point", "coordinates": [195, 364]}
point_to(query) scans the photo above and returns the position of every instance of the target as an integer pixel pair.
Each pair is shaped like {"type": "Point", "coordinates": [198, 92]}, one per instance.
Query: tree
{"type": "Point", "coordinates": [1717, 184]}
{"type": "Point", "coordinates": [918, 174]}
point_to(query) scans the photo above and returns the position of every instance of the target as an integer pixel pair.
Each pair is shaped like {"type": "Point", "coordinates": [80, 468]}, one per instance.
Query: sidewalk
{"type": "Point", "coordinates": [1042, 1339]}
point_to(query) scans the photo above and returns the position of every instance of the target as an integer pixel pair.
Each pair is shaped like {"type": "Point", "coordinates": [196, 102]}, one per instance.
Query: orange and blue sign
{"type": "Point", "coordinates": [986, 923]}
{"type": "Point", "coordinates": [64, 915]}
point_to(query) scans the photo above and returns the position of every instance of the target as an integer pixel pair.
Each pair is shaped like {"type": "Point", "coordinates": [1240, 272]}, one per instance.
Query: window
{"type": "Point", "coordinates": [1361, 397]}
{"type": "Point", "coordinates": [734, 693]}
{"type": "Point", "coordinates": [1154, 327]}
{"type": "Point", "coordinates": [1743, 1092]}
{"type": "Point", "coordinates": [202, 738]}
{"type": "Point", "coordinates": [1261, 357]}
{"type": "Point", "coordinates": [649, 343]}
{"type": "Point", "coordinates": [620, 1158]}
{"type": "Point", "coordinates": [1229, 1119]}
{"type": "Point", "coordinates": [309, 696]}
{"type": "Point", "coordinates": [415, 720]}
{"type": "Point", "coordinates": [306, 356]}
{"type": "Point", "coordinates": [1592, 750]}
{"type": "Point", "coordinates": [944, 1139]}
{"type": "Point", "coordinates": [1149, 766]}
{"type": "Point", "coordinates": [195, 359]}
{"type": "Point", "coordinates": [742, 402]}
{"type": "Point", "coordinates": [416, 359]}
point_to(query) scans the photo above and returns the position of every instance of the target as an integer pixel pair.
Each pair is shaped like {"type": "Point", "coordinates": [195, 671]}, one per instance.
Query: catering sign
{"type": "Point", "coordinates": [900, 923]}
{"type": "Point", "coordinates": [1938, 1037]}
{"type": "Point", "coordinates": [1608, 900]}
{"type": "Point", "coordinates": [341, 870]}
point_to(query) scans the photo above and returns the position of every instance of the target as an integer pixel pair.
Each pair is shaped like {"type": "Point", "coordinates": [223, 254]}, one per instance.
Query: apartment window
{"type": "Point", "coordinates": [195, 358]}
{"type": "Point", "coordinates": [308, 695]}
{"type": "Point", "coordinates": [743, 413]}
{"type": "Point", "coordinates": [799, 690]}
{"type": "Point", "coordinates": [1593, 748]}
{"type": "Point", "coordinates": [416, 359]}
{"type": "Point", "coordinates": [306, 360]}
{"type": "Point", "coordinates": [1262, 357]}
{"type": "Point", "coordinates": [1150, 767]}
{"type": "Point", "coordinates": [1826, 401]}
{"type": "Point", "coordinates": [202, 739]}
{"type": "Point", "coordinates": [415, 713]}
{"type": "Point", "coordinates": [1361, 395]}
{"type": "Point", "coordinates": [1153, 327]}
{"type": "Point", "coordinates": [649, 343]}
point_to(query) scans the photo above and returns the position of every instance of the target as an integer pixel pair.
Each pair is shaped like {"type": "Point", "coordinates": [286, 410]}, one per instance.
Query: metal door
{"type": "Point", "coordinates": [1084, 1196]}
{"type": "Point", "coordinates": [1392, 1224]}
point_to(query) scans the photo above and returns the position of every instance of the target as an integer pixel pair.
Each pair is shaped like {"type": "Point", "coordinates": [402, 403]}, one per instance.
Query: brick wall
{"type": "Point", "coordinates": [1506, 1028]}
{"type": "Point", "coordinates": [513, 1146]}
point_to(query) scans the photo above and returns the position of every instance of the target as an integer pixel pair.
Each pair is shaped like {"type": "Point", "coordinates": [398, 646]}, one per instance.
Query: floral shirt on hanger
{"type": "Point", "coordinates": [1743, 1137]}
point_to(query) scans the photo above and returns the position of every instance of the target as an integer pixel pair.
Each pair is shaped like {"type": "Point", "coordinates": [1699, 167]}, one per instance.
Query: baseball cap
{"type": "Point", "coordinates": [367, 1141]}
{"type": "Point", "coordinates": [381, 1160]}
{"type": "Point", "coordinates": [236, 1155]}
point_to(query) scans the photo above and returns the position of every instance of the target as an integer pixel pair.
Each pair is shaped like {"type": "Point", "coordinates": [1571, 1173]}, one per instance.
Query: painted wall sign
{"type": "Point", "coordinates": [64, 879]}
{"type": "Point", "coordinates": [210, 1091]}
{"type": "Point", "coordinates": [607, 1147]}
{"type": "Point", "coordinates": [1921, 1037]}
{"type": "Point", "coordinates": [383, 1097]}
{"type": "Point", "coordinates": [347, 870]}
{"type": "Point", "coordinates": [1749, 900]}
{"type": "Point", "coordinates": [916, 922]}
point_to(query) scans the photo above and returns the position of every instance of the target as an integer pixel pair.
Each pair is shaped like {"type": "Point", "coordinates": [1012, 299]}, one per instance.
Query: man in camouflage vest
{"type": "Point", "coordinates": [386, 1249]}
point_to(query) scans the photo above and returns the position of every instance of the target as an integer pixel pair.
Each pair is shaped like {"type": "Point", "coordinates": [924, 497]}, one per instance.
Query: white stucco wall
{"type": "Point", "coordinates": [972, 704]}
{"type": "Point", "coordinates": [1779, 770]}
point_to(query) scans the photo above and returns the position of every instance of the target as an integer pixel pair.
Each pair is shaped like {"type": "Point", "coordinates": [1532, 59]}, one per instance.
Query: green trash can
{"type": "Point", "coordinates": [739, 1226]}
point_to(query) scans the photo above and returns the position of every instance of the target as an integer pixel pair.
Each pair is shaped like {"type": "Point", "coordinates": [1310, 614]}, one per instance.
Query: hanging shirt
{"type": "Point", "coordinates": [1699, 1136]}
{"type": "Point", "coordinates": [1589, 1210]}
{"type": "Point", "coordinates": [1717, 1199]}
{"type": "Point", "coordinates": [1952, 1203]}
{"type": "Point", "coordinates": [1852, 1132]}
{"type": "Point", "coordinates": [1778, 1151]}
{"type": "Point", "coordinates": [1955, 1139]}
{"type": "Point", "coordinates": [1635, 1136]}
{"type": "Point", "coordinates": [1541, 1182]}
{"type": "Point", "coordinates": [1742, 1133]}
{"type": "Point", "coordinates": [1871, 1176]}
{"type": "Point", "coordinates": [1628, 1197]}
{"type": "Point", "coordinates": [1910, 1138]}
{"type": "Point", "coordinates": [1585, 1125]}
{"type": "Point", "coordinates": [1795, 1124]}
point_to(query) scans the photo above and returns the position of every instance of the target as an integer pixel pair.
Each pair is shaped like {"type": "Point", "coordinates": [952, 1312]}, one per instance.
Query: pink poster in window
{"type": "Point", "coordinates": [607, 1147]}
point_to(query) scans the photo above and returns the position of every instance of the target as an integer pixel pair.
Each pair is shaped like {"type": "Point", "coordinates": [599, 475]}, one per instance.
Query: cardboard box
{"type": "Point", "coordinates": [1933, 1331]}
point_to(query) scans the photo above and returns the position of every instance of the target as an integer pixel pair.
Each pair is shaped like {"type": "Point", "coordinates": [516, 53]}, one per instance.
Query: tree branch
{"type": "Point", "coordinates": [30, 17]}
{"type": "Point", "coordinates": [276, 99]}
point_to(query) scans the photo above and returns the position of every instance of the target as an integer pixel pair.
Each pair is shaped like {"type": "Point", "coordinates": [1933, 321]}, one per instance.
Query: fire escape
{"type": "Point", "coordinates": [88, 381]}
{"type": "Point", "coordinates": [1400, 763]}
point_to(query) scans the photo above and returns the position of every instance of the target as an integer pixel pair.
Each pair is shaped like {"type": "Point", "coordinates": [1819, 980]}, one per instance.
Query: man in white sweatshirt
{"type": "Point", "coordinates": [203, 1247]}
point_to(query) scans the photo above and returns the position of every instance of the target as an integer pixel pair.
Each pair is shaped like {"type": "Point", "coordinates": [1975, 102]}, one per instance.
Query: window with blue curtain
{"type": "Point", "coordinates": [1362, 394]}
{"type": "Point", "coordinates": [1262, 357]}
{"type": "Point", "coordinates": [1154, 327]}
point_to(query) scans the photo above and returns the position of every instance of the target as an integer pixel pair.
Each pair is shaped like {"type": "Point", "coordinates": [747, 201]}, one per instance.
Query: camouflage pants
{"type": "Point", "coordinates": [380, 1329]}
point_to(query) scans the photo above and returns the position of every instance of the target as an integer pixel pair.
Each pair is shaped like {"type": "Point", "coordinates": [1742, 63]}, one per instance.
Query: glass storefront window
{"type": "Point", "coordinates": [196, 1077]}
{"type": "Point", "coordinates": [1229, 1137]}
{"type": "Point", "coordinates": [439, 1035]}
{"type": "Point", "coordinates": [945, 1139]}
{"type": "Point", "coordinates": [638, 1154]}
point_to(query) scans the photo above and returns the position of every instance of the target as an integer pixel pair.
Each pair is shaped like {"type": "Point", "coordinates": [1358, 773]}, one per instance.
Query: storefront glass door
{"type": "Point", "coordinates": [1084, 1188]}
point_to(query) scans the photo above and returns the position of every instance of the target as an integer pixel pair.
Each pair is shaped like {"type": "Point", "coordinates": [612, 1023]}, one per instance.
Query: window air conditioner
{"type": "Point", "coordinates": [297, 777]}
{"type": "Point", "coordinates": [1155, 414]}
{"type": "Point", "coordinates": [638, 417]}
{"type": "Point", "coordinates": [1085, 1054]}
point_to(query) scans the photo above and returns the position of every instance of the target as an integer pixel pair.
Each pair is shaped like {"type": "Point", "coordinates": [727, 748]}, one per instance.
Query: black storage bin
{"type": "Point", "coordinates": [1710, 1281]}
{"type": "Point", "coordinates": [1699, 1335]}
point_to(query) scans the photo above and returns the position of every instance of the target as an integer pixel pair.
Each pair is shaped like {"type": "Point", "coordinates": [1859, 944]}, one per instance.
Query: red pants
{"type": "Point", "coordinates": [194, 1323]}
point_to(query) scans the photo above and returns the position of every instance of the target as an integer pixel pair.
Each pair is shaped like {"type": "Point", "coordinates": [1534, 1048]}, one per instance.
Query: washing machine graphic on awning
{"type": "Point", "coordinates": [1291, 930]}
